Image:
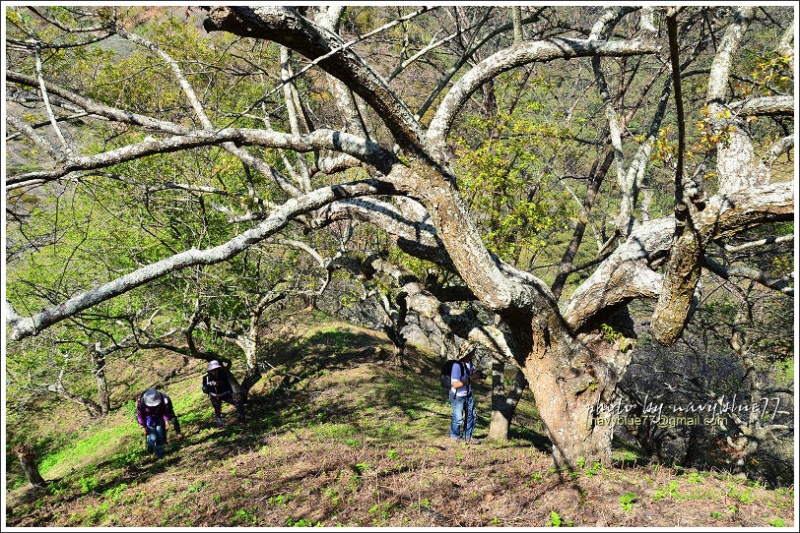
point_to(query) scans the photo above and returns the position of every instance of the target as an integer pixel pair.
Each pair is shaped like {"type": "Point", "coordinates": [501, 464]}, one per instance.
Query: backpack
{"type": "Point", "coordinates": [447, 368]}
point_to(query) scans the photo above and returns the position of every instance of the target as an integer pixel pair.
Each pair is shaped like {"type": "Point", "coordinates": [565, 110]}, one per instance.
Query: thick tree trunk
{"type": "Point", "coordinates": [499, 425]}
{"type": "Point", "coordinates": [252, 374]}
{"type": "Point", "coordinates": [565, 409]}
{"type": "Point", "coordinates": [571, 380]}
{"type": "Point", "coordinates": [504, 404]}
{"type": "Point", "coordinates": [250, 343]}
{"type": "Point", "coordinates": [28, 461]}
{"type": "Point", "coordinates": [567, 400]}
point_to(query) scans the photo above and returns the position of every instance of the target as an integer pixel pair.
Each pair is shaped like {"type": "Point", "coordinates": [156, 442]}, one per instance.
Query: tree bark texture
{"type": "Point", "coordinates": [27, 459]}
{"type": "Point", "coordinates": [103, 394]}
{"type": "Point", "coordinates": [569, 381]}
{"type": "Point", "coordinates": [504, 403]}
{"type": "Point", "coordinates": [672, 309]}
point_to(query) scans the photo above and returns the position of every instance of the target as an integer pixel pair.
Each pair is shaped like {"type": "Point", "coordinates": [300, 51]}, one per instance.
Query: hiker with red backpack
{"type": "Point", "coordinates": [462, 374]}
{"type": "Point", "coordinates": [219, 390]}
{"type": "Point", "coordinates": [154, 412]}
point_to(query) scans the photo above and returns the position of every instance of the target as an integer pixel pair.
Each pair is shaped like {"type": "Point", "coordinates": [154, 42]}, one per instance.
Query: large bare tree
{"type": "Point", "coordinates": [354, 118]}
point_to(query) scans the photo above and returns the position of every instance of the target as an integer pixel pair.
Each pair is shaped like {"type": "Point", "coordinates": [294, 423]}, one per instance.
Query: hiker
{"type": "Point", "coordinates": [154, 412]}
{"type": "Point", "coordinates": [461, 399]}
{"type": "Point", "coordinates": [219, 389]}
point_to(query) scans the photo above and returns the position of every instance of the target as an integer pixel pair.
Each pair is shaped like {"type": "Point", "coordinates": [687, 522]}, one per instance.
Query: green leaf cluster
{"type": "Point", "coordinates": [507, 185]}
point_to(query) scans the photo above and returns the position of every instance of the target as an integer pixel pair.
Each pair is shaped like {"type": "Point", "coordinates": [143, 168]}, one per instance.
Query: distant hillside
{"type": "Point", "coordinates": [340, 435]}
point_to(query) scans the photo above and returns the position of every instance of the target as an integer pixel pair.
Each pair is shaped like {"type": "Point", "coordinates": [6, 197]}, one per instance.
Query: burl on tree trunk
{"type": "Point", "coordinates": [28, 461]}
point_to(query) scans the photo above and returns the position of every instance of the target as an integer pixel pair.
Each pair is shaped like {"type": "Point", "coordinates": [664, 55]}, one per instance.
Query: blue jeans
{"type": "Point", "coordinates": [156, 437]}
{"type": "Point", "coordinates": [463, 407]}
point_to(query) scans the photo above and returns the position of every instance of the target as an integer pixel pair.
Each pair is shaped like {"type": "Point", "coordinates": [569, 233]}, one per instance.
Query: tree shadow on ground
{"type": "Point", "coordinates": [410, 393]}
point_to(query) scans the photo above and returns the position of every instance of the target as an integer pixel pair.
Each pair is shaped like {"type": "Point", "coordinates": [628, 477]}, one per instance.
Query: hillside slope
{"type": "Point", "coordinates": [339, 435]}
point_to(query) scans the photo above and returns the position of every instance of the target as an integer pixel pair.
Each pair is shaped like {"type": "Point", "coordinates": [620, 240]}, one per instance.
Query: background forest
{"type": "Point", "coordinates": [334, 199]}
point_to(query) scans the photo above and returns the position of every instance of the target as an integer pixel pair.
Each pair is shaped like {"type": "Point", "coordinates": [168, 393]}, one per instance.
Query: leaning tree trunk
{"type": "Point", "coordinates": [28, 461]}
{"type": "Point", "coordinates": [252, 374]}
{"type": "Point", "coordinates": [393, 324]}
{"type": "Point", "coordinates": [504, 404]}
{"type": "Point", "coordinates": [250, 343]}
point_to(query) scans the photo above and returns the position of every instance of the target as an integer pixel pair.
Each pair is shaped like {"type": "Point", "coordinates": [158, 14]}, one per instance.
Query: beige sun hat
{"type": "Point", "coordinates": [466, 349]}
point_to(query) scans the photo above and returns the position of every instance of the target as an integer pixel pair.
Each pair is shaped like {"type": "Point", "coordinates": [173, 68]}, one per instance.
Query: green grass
{"type": "Point", "coordinates": [671, 491]}
{"type": "Point", "coordinates": [356, 442]}
{"type": "Point", "coordinates": [97, 443]}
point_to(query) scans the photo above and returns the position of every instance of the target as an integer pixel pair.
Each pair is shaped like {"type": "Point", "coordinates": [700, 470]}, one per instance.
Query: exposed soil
{"type": "Point", "coordinates": [348, 441]}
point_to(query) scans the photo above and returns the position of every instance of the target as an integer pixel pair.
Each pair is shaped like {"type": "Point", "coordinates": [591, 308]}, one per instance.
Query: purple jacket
{"type": "Point", "coordinates": [155, 416]}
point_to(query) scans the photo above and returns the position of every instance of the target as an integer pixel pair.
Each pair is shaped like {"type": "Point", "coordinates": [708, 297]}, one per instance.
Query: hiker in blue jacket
{"type": "Point", "coordinates": [219, 390]}
{"type": "Point", "coordinates": [461, 399]}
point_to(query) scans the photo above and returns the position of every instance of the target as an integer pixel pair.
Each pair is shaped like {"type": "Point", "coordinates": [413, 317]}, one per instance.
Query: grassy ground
{"type": "Point", "coordinates": [339, 435]}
